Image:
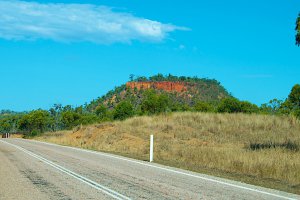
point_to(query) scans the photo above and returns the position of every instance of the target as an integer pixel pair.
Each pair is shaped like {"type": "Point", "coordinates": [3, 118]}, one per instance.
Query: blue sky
{"type": "Point", "coordinates": [60, 51]}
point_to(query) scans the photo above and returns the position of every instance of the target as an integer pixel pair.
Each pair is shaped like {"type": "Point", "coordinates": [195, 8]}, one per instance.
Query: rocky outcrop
{"type": "Point", "coordinates": [163, 85]}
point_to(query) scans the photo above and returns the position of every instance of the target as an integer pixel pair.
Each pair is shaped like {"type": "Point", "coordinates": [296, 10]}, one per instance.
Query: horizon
{"type": "Point", "coordinates": [47, 60]}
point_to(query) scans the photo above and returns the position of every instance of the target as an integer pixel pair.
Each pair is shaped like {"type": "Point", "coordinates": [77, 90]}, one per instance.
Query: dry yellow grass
{"type": "Point", "coordinates": [210, 143]}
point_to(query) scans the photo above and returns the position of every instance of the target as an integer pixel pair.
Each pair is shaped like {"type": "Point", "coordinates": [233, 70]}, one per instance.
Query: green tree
{"type": "Point", "coordinates": [55, 113]}
{"type": "Point", "coordinates": [272, 107]}
{"type": "Point", "coordinates": [286, 107]}
{"type": "Point", "coordinates": [79, 110]}
{"type": "Point", "coordinates": [158, 77]}
{"type": "Point", "coordinates": [70, 119]}
{"type": "Point", "coordinates": [247, 107]}
{"type": "Point", "coordinates": [202, 106]}
{"type": "Point", "coordinates": [131, 77]}
{"type": "Point", "coordinates": [153, 103]}
{"type": "Point", "coordinates": [67, 108]}
{"type": "Point", "coordinates": [37, 120]}
{"type": "Point", "coordinates": [123, 110]}
{"type": "Point", "coordinates": [229, 105]}
{"type": "Point", "coordinates": [294, 96]}
{"type": "Point", "coordinates": [101, 111]}
{"type": "Point", "coordinates": [24, 123]}
{"type": "Point", "coordinates": [149, 103]}
{"type": "Point", "coordinates": [5, 126]}
{"type": "Point", "coordinates": [163, 102]}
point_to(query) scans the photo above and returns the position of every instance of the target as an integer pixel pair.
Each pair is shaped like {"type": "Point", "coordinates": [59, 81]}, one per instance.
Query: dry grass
{"type": "Point", "coordinates": [217, 144]}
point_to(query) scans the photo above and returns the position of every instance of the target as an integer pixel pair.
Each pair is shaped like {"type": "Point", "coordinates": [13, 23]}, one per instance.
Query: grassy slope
{"type": "Point", "coordinates": [209, 143]}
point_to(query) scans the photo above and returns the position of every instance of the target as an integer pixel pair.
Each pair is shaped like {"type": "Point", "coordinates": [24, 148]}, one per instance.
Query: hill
{"type": "Point", "coordinates": [181, 91]}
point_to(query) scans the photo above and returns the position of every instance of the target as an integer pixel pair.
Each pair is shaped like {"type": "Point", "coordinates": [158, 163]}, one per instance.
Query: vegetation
{"type": "Point", "coordinates": [154, 103]}
{"type": "Point", "coordinates": [232, 105]}
{"type": "Point", "coordinates": [232, 145]}
{"type": "Point", "coordinates": [123, 103]}
{"type": "Point", "coordinates": [123, 110]}
{"type": "Point", "coordinates": [39, 121]}
{"type": "Point", "coordinates": [198, 89]}
{"type": "Point", "coordinates": [212, 133]}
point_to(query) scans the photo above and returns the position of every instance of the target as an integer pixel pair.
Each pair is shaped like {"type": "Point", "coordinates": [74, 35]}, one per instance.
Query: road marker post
{"type": "Point", "coordinates": [151, 148]}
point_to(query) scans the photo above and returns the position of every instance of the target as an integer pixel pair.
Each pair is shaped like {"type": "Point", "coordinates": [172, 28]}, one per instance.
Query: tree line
{"type": "Point", "coordinates": [67, 117]}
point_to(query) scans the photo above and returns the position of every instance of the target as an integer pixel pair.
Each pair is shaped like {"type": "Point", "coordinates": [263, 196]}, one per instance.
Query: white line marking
{"type": "Point", "coordinates": [85, 180]}
{"type": "Point", "coordinates": [169, 170]}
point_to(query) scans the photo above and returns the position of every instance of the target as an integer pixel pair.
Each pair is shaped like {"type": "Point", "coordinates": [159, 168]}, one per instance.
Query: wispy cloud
{"type": "Point", "coordinates": [20, 20]}
{"type": "Point", "coordinates": [181, 47]}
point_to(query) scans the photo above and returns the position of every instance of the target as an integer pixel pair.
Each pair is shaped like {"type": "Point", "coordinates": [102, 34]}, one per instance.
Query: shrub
{"type": "Point", "coordinates": [35, 120]}
{"type": "Point", "coordinates": [229, 105]}
{"type": "Point", "coordinates": [297, 113]}
{"type": "Point", "coordinates": [70, 119]}
{"type": "Point", "coordinates": [154, 103]}
{"type": "Point", "coordinates": [123, 110]}
{"type": "Point", "coordinates": [247, 107]}
{"type": "Point", "coordinates": [101, 111]}
{"type": "Point", "coordinates": [202, 106]}
{"type": "Point", "coordinates": [289, 145]}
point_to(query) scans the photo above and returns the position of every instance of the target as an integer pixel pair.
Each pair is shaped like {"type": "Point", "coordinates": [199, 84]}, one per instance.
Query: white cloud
{"type": "Point", "coordinates": [21, 20]}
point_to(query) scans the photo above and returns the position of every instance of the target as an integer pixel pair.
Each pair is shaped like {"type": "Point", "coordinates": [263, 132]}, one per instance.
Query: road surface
{"type": "Point", "coordinates": [36, 170]}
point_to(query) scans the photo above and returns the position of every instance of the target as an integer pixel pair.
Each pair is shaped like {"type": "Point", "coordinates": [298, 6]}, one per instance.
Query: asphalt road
{"type": "Point", "coordinates": [35, 170]}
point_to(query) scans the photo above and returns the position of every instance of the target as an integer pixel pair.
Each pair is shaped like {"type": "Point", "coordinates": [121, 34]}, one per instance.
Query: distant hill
{"type": "Point", "coordinates": [181, 90]}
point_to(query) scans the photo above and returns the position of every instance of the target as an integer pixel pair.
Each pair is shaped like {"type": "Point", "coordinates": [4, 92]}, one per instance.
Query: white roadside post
{"type": "Point", "coordinates": [151, 148]}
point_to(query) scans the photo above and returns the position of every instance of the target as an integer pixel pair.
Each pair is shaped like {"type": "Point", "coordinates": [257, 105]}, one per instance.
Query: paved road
{"type": "Point", "coordinates": [35, 170]}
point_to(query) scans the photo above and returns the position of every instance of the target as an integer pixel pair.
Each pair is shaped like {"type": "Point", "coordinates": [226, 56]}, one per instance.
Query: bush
{"type": "Point", "coordinates": [229, 105]}
{"type": "Point", "coordinates": [36, 120]}
{"type": "Point", "coordinates": [101, 111]}
{"type": "Point", "coordinates": [289, 145]}
{"type": "Point", "coordinates": [201, 106]}
{"type": "Point", "coordinates": [297, 113]}
{"type": "Point", "coordinates": [175, 107]}
{"type": "Point", "coordinates": [232, 105]}
{"type": "Point", "coordinates": [32, 134]}
{"type": "Point", "coordinates": [154, 103]}
{"type": "Point", "coordinates": [70, 119]}
{"type": "Point", "coordinates": [247, 107]}
{"type": "Point", "coordinates": [123, 110]}
{"type": "Point", "coordinates": [88, 119]}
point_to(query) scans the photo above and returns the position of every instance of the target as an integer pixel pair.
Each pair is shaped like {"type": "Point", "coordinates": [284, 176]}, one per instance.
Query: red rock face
{"type": "Point", "coordinates": [163, 85]}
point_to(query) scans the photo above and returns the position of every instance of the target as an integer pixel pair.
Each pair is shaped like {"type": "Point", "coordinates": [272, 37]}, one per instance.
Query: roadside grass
{"type": "Point", "coordinates": [256, 149]}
